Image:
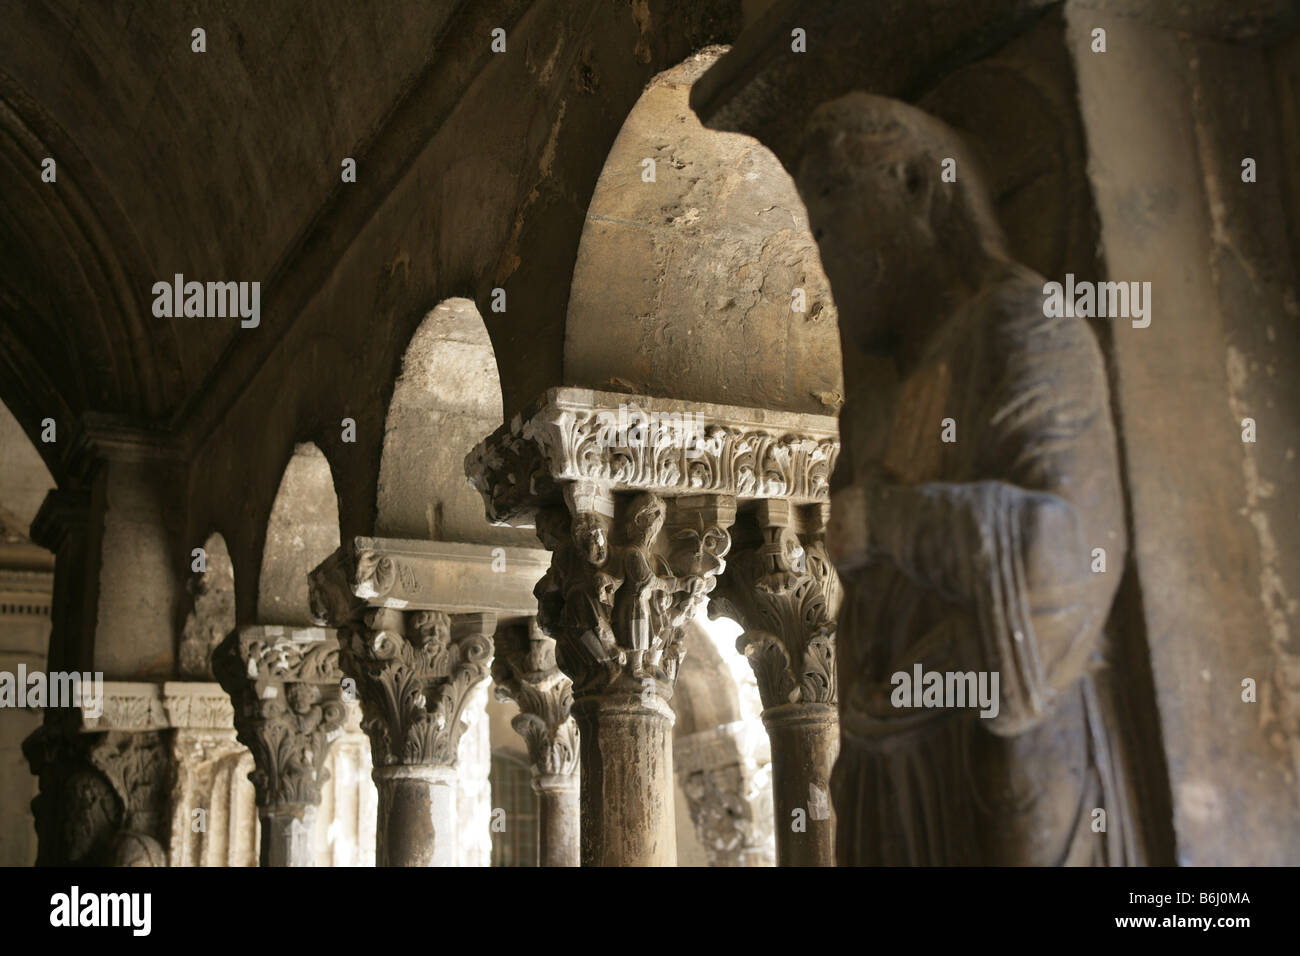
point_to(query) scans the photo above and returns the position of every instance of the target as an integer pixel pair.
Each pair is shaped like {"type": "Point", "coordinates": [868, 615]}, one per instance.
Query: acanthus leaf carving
{"type": "Point", "coordinates": [286, 696]}
{"type": "Point", "coordinates": [571, 435]}
{"type": "Point", "coordinates": [414, 679]}
{"type": "Point", "coordinates": [524, 670]}
{"type": "Point", "coordinates": [785, 592]}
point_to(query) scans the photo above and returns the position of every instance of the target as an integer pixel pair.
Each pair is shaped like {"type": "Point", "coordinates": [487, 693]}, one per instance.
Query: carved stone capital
{"type": "Point", "coordinates": [524, 670]}
{"type": "Point", "coordinates": [102, 796]}
{"type": "Point", "coordinates": [627, 572]}
{"type": "Point", "coordinates": [634, 496]}
{"type": "Point", "coordinates": [285, 684]}
{"type": "Point", "coordinates": [416, 620]}
{"type": "Point", "coordinates": [138, 767]}
{"type": "Point", "coordinates": [414, 671]}
{"type": "Point", "coordinates": [782, 588]}
{"type": "Point", "coordinates": [636, 443]}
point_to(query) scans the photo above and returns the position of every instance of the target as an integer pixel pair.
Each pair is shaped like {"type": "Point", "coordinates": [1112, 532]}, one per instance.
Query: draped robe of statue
{"type": "Point", "coordinates": [966, 555]}
{"type": "Point", "coordinates": [982, 560]}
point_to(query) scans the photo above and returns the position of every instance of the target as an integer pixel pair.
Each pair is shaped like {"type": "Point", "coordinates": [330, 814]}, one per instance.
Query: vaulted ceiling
{"type": "Point", "coordinates": [213, 165]}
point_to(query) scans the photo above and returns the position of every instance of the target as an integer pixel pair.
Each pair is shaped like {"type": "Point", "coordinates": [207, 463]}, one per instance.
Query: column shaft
{"type": "Point", "coordinates": [417, 816]}
{"type": "Point", "coordinates": [558, 820]}
{"type": "Point", "coordinates": [287, 835]}
{"type": "Point", "coordinates": [805, 740]}
{"type": "Point", "coordinates": [627, 781]}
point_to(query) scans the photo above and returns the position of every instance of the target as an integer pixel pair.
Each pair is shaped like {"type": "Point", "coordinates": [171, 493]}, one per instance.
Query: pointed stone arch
{"type": "Point", "coordinates": [303, 531]}
{"type": "Point", "coordinates": [447, 397]}
{"type": "Point", "coordinates": [705, 283]}
{"type": "Point", "coordinates": [212, 612]}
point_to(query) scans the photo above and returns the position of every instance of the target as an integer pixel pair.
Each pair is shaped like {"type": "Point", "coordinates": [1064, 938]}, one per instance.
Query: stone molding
{"type": "Point", "coordinates": [572, 435]}
{"type": "Point", "coordinates": [146, 706]}
{"type": "Point", "coordinates": [445, 576]}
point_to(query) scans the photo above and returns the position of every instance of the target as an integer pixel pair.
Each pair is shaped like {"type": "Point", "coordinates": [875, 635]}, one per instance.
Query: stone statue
{"type": "Point", "coordinates": [966, 537]}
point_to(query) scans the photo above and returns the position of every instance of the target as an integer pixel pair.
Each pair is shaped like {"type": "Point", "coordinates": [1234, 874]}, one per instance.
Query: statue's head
{"type": "Point", "coordinates": [591, 539]}
{"type": "Point", "coordinates": [897, 242]}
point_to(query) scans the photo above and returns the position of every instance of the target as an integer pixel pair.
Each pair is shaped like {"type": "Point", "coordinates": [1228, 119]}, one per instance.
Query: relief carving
{"type": "Point", "coordinates": [616, 611]}
{"type": "Point", "coordinates": [524, 670]}
{"type": "Point", "coordinates": [414, 679]}
{"type": "Point", "coordinates": [570, 436]}
{"type": "Point", "coordinates": [782, 588]}
{"type": "Point", "coordinates": [286, 695]}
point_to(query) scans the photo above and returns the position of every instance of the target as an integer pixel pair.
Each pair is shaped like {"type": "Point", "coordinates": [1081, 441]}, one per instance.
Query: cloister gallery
{"type": "Point", "coordinates": [649, 432]}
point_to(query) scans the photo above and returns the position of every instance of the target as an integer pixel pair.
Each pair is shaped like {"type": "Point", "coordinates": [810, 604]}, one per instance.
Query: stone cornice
{"type": "Point", "coordinates": [446, 576]}
{"type": "Point", "coordinates": [691, 448]}
{"type": "Point", "coordinates": [144, 706]}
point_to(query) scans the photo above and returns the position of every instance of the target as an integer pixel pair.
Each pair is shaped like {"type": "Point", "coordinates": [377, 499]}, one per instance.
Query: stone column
{"type": "Point", "coordinates": [415, 672]}
{"type": "Point", "coordinates": [524, 671]}
{"type": "Point", "coordinates": [285, 686]}
{"type": "Point", "coordinates": [634, 496]}
{"type": "Point", "coordinates": [63, 525]}
{"type": "Point", "coordinates": [781, 587]}
{"type": "Point", "coordinates": [416, 621]}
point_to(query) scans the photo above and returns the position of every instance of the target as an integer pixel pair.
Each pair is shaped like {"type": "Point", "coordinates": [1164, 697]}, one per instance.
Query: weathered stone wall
{"type": "Point", "coordinates": [446, 399]}
{"type": "Point", "coordinates": [479, 179]}
{"type": "Point", "coordinates": [685, 286]}
{"type": "Point", "coordinates": [1169, 120]}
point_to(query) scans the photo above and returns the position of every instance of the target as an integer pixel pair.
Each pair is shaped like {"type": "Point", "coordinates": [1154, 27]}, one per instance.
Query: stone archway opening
{"type": "Point", "coordinates": [303, 531]}
{"type": "Point", "coordinates": [211, 617]}
{"type": "Point", "coordinates": [447, 397]}
{"type": "Point", "coordinates": [697, 276]}
{"type": "Point", "coordinates": [721, 756]}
